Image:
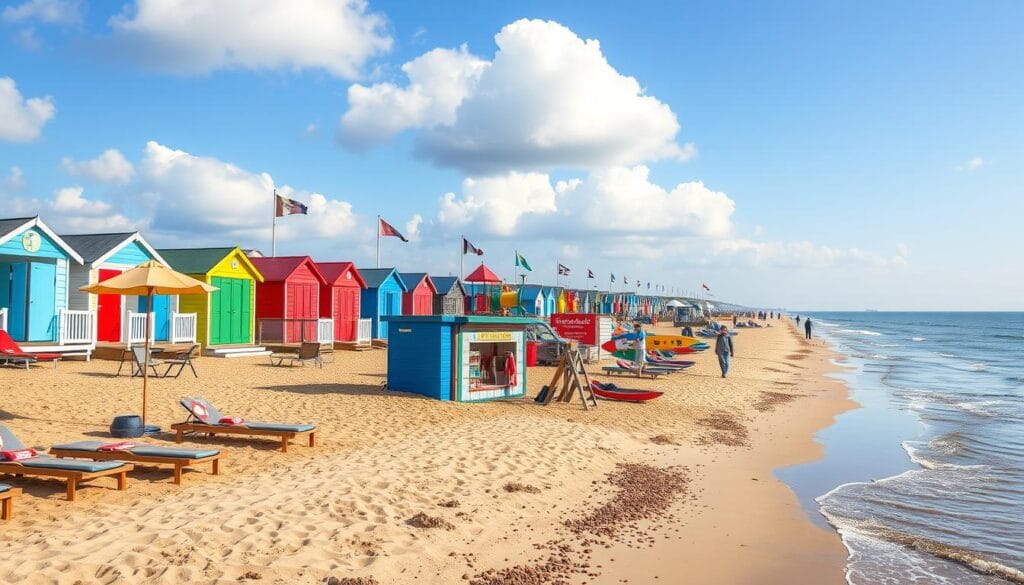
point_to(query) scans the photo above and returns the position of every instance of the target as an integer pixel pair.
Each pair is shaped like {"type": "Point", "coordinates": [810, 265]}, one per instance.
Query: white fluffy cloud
{"type": "Point", "coordinates": [185, 36]}
{"type": "Point", "coordinates": [109, 167]}
{"type": "Point", "coordinates": [63, 12]}
{"type": "Point", "coordinates": [15, 179]}
{"type": "Point", "coordinates": [803, 254]}
{"type": "Point", "coordinates": [971, 165]}
{"type": "Point", "coordinates": [22, 120]}
{"type": "Point", "coordinates": [613, 202]}
{"type": "Point", "coordinates": [548, 99]}
{"type": "Point", "coordinates": [70, 211]}
{"type": "Point", "coordinates": [438, 83]}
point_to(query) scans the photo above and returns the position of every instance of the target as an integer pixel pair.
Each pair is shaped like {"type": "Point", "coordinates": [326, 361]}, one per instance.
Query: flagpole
{"type": "Point", "coordinates": [378, 241]}
{"type": "Point", "coordinates": [515, 267]}
{"type": "Point", "coordinates": [462, 256]}
{"type": "Point", "coordinates": [273, 228]}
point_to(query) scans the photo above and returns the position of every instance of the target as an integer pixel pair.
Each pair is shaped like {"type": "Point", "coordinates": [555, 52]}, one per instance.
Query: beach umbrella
{"type": "Point", "coordinates": [145, 280]}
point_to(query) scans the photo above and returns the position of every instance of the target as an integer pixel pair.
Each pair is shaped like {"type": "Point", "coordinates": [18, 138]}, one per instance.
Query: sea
{"type": "Point", "coordinates": [925, 481]}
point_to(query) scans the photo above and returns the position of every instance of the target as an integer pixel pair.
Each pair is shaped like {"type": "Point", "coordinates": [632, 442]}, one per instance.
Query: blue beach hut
{"type": "Point", "coordinates": [383, 297]}
{"type": "Point", "coordinates": [34, 264]}
{"type": "Point", "coordinates": [532, 299]}
{"type": "Point", "coordinates": [119, 318]}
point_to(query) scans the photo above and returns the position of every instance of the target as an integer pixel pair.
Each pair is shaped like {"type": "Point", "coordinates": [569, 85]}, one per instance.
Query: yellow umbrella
{"type": "Point", "coordinates": [148, 279]}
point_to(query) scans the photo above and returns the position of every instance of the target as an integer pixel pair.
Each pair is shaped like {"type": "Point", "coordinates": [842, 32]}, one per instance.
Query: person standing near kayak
{"type": "Point", "coordinates": [640, 338]}
{"type": "Point", "coordinates": [724, 349]}
{"type": "Point", "coordinates": [807, 328]}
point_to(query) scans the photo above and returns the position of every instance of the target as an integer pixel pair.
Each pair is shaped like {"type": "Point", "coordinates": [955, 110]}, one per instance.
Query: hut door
{"type": "Point", "coordinates": [42, 301]}
{"type": "Point", "coordinates": [345, 314]}
{"type": "Point", "coordinates": [18, 308]}
{"type": "Point", "coordinates": [108, 311]}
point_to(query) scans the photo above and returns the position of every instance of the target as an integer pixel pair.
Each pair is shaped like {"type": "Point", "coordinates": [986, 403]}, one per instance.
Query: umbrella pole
{"type": "Point", "coordinates": [145, 352]}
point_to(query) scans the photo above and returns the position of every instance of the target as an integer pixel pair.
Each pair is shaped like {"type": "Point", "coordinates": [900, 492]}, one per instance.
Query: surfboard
{"type": "Point", "coordinates": [673, 343]}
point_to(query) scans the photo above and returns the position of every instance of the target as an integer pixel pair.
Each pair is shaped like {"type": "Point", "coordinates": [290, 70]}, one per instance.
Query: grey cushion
{"type": "Point", "coordinates": [144, 450]}
{"type": "Point", "coordinates": [47, 462]}
{"type": "Point", "coordinates": [277, 427]}
{"type": "Point", "coordinates": [214, 417]}
{"type": "Point", "coordinates": [4, 487]}
{"type": "Point", "coordinates": [8, 442]}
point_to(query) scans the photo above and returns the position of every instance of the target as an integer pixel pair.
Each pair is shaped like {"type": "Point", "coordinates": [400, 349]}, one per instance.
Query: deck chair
{"type": "Point", "coordinates": [203, 417]}
{"type": "Point", "coordinates": [7, 495]}
{"type": "Point", "coordinates": [71, 470]}
{"type": "Point", "coordinates": [181, 359]}
{"type": "Point", "coordinates": [308, 352]}
{"type": "Point", "coordinates": [141, 454]}
{"type": "Point", "coordinates": [620, 371]}
{"type": "Point", "coordinates": [139, 358]}
{"type": "Point", "coordinates": [11, 352]}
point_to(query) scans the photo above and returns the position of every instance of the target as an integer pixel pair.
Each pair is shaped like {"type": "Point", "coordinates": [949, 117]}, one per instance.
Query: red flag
{"type": "Point", "coordinates": [468, 248]}
{"type": "Point", "coordinates": [386, 229]}
{"type": "Point", "coordinates": [286, 206]}
{"type": "Point", "coordinates": [706, 287]}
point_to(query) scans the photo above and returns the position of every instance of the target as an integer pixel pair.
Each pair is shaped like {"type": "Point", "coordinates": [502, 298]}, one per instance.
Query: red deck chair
{"type": "Point", "coordinates": [11, 351]}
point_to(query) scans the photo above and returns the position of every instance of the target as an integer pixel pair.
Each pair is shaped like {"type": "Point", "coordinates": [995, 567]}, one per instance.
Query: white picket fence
{"type": "Point", "coordinates": [136, 328]}
{"type": "Point", "coordinates": [3, 318]}
{"type": "Point", "coordinates": [364, 333]}
{"type": "Point", "coordinates": [76, 327]}
{"type": "Point", "coordinates": [325, 330]}
{"type": "Point", "coordinates": [183, 328]}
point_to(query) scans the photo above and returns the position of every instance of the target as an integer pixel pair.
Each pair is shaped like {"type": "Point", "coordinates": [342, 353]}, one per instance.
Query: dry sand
{"type": "Point", "coordinates": [402, 489]}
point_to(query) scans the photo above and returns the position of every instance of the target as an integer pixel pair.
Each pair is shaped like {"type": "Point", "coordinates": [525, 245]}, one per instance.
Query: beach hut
{"type": "Point", "coordinates": [288, 299]}
{"type": "Point", "coordinates": [384, 288]}
{"type": "Point", "coordinates": [119, 318]}
{"type": "Point", "coordinates": [551, 300]}
{"type": "Point", "coordinates": [225, 319]}
{"type": "Point", "coordinates": [468, 358]}
{"type": "Point", "coordinates": [419, 298]}
{"type": "Point", "coordinates": [339, 299]}
{"type": "Point", "coordinates": [533, 299]}
{"type": "Point", "coordinates": [451, 296]}
{"type": "Point", "coordinates": [34, 271]}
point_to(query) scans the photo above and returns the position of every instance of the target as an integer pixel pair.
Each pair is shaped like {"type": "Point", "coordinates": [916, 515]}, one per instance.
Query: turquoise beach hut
{"type": "Point", "coordinates": [551, 302]}
{"type": "Point", "coordinates": [383, 297]}
{"type": "Point", "coordinates": [34, 265]}
{"type": "Point", "coordinates": [532, 299]}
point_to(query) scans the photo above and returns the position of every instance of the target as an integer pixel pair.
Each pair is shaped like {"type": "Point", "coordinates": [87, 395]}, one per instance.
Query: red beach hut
{"type": "Point", "coordinates": [419, 300]}
{"type": "Point", "coordinates": [340, 297]}
{"type": "Point", "coordinates": [290, 291]}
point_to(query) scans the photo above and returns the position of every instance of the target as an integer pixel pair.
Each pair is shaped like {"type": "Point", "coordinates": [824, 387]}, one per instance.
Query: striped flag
{"type": "Point", "coordinates": [286, 206]}
{"type": "Point", "coordinates": [563, 270]}
{"type": "Point", "coordinates": [469, 248]}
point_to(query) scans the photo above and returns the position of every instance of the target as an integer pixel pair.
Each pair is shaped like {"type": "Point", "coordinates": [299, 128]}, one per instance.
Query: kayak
{"type": "Point", "coordinates": [613, 392]}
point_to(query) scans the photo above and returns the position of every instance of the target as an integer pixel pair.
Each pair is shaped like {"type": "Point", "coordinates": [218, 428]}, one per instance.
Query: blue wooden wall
{"type": "Point", "coordinates": [132, 254]}
{"type": "Point", "coordinates": [419, 359]}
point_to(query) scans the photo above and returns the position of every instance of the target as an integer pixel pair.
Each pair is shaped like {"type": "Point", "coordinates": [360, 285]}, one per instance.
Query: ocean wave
{"type": "Point", "coordinates": [971, 559]}
{"type": "Point", "coordinates": [860, 331]}
{"type": "Point", "coordinates": [946, 355]}
{"type": "Point", "coordinates": [887, 345]}
{"type": "Point", "coordinates": [879, 356]}
{"type": "Point", "coordinates": [917, 339]}
{"type": "Point", "coordinates": [826, 323]}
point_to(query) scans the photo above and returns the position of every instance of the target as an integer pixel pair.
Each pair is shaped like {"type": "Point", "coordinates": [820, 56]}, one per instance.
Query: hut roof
{"type": "Point", "coordinates": [280, 268]}
{"type": "Point", "coordinates": [445, 284]}
{"type": "Point", "coordinates": [375, 277]}
{"type": "Point", "coordinates": [413, 280]}
{"type": "Point", "coordinates": [98, 247]}
{"type": "Point", "coordinates": [10, 226]}
{"type": "Point", "coordinates": [483, 274]}
{"type": "Point", "coordinates": [333, 271]}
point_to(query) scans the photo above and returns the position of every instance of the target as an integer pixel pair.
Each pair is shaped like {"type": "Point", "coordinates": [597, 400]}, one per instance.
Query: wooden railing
{"type": "Point", "coordinates": [76, 327]}
{"type": "Point", "coordinates": [325, 330]}
{"type": "Point", "coordinates": [137, 327]}
{"type": "Point", "coordinates": [273, 330]}
{"type": "Point", "coordinates": [364, 332]}
{"type": "Point", "coordinates": [183, 328]}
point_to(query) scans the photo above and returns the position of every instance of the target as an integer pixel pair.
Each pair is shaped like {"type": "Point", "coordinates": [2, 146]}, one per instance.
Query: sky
{"type": "Point", "coordinates": [810, 155]}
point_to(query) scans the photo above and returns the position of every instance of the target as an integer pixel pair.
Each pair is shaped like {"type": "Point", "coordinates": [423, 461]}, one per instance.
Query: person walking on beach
{"type": "Point", "coordinates": [807, 328]}
{"type": "Point", "coordinates": [798, 320]}
{"type": "Point", "coordinates": [724, 349]}
{"type": "Point", "coordinates": [640, 336]}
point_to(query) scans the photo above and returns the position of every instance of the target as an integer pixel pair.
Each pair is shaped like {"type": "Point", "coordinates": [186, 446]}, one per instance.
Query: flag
{"type": "Point", "coordinates": [648, 286]}
{"type": "Point", "coordinates": [522, 263]}
{"type": "Point", "coordinates": [590, 273]}
{"type": "Point", "coordinates": [468, 248]}
{"type": "Point", "coordinates": [286, 206]}
{"type": "Point", "coordinates": [706, 287]}
{"type": "Point", "coordinates": [613, 277]}
{"type": "Point", "coordinates": [625, 280]}
{"type": "Point", "coordinates": [386, 229]}
{"type": "Point", "coordinates": [563, 270]}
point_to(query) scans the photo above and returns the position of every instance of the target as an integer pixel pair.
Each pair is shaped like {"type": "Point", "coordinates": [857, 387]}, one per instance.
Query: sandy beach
{"type": "Point", "coordinates": [402, 489]}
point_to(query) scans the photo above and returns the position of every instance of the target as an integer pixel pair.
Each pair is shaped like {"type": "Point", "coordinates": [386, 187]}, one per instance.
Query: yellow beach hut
{"type": "Point", "coordinates": [225, 319]}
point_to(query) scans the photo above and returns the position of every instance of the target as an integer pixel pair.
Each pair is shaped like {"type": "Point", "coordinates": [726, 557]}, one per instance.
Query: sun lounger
{"type": "Point", "coordinates": [7, 495]}
{"type": "Point", "coordinates": [620, 371]}
{"type": "Point", "coordinates": [11, 352]}
{"type": "Point", "coordinates": [71, 470]}
{"type": "Point", "coordinates": [204, 418]}
{"type": "Point", "coordinates": [143, 454]}
{"type": "Point", "coordinates": [308, 352]}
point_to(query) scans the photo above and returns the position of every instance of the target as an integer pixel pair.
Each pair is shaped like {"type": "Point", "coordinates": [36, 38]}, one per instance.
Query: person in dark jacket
{"type": "Point", "coordinates": [807, 327]}
{"type": "Point", "coordinates": [724, 349]}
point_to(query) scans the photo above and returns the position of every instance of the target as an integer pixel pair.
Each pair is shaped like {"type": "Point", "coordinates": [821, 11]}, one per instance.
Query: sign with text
{"type": "Point", "coordinates": [581, 327]}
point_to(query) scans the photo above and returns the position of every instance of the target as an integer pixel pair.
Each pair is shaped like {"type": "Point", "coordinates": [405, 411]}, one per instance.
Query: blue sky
{"type": "Point", "coordinates": [821, 155]}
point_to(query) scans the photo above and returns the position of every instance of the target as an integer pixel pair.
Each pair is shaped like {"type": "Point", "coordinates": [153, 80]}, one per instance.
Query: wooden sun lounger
{"type": "Point", "coordinates": [618, 371]}
{"type": "Point", "coordinates": [72, 477]}
{"type": "Point", "coordinates": [198, 427]}
{"type": "Point", "coordinates": [179, 463]}
{"type": "Point", "coordinates": [7, 502]}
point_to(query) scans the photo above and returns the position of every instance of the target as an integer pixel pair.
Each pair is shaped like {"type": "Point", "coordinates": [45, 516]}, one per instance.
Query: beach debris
{"type": "Point", "coordinates": [664, 440]}
{"type": "Point", "coordinates": [644, 492]}
{"type": "Point", "coordinates": [251, 575]}
{"type": "Point", "coordinates": [332, 580]}
{"type": "Point", "coordinates": [422, 520]}
{"type": "Point", "coordinates": [450, 504]}
{"type": "Point", "coordinates": [725, 430]}
{"type": "Point", "coordinates": [769, 400]}
{"type": "Point", "coordinates": [514, 486]}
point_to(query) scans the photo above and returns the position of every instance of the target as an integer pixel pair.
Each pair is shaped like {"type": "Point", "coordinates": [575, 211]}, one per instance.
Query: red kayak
{"type": "Point", "coordinates": [613, 392]}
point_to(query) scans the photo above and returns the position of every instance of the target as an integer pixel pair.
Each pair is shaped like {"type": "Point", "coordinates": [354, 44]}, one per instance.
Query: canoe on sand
{"type": "Point", "coordinates": [613, 392]}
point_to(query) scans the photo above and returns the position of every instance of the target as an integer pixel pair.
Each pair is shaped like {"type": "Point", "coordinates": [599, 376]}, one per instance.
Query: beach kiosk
{"type": "Point", "coordinates": [34, 269]}
{"type": "Point", "coordinates": [225, 319]}
{"type": "Point", "coordinates": [288, 299]}
{"type": "Point", "coordinates": [459, 358]}
{"type": "Point", "coordinates": [119, 318]}
{"type": "Point", "coordinates": [383, 297]}
{"type": "Point", "coordinates": [451, 296]}
{"type": "Point", "coordinates": [339, 299]}
{"type": "Point", "coordinates": [419, 299]}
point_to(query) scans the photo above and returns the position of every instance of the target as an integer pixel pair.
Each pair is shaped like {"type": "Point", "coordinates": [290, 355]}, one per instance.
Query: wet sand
{"type": "Point", "coordinates": [402, 489]}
